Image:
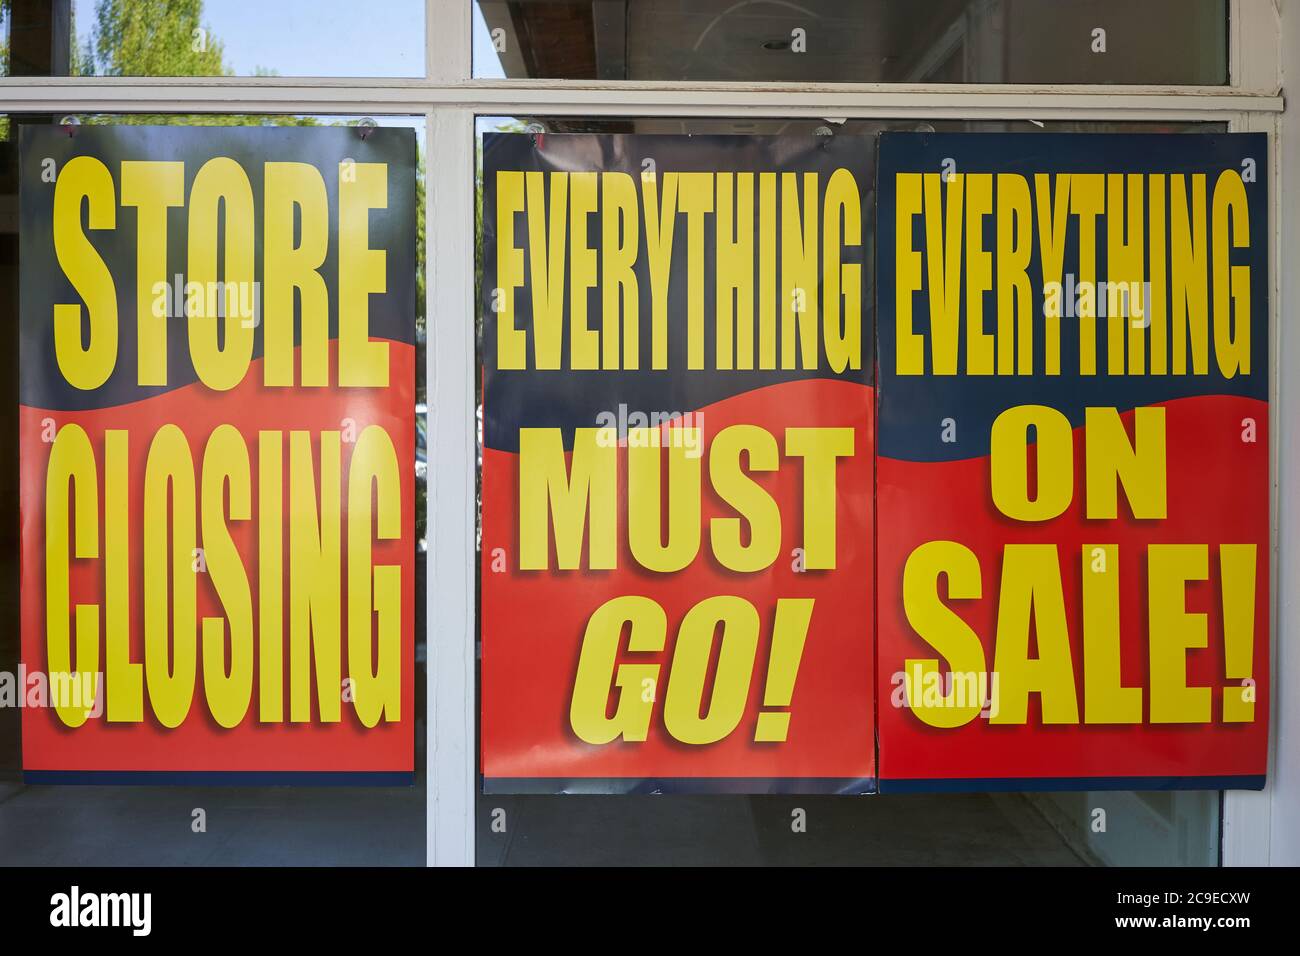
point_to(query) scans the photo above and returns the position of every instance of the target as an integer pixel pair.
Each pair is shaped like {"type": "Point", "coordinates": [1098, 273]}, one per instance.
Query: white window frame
{"type": "Point", "coordinates": [449, 99]}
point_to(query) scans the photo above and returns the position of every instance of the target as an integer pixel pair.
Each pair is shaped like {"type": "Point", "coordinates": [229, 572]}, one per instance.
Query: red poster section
{"type": "Point", "coordinates": [534, 624]}
{"type": "Point", "coordinates": [1073, 470]}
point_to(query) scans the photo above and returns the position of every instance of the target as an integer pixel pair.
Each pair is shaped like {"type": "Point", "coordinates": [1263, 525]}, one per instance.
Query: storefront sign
{"type": "Point", "coordinates": [677, 464]}
{"type": "Point", "coordinates": [1073, 470]}
{"type": "Point", "coordinates": [216, 437]}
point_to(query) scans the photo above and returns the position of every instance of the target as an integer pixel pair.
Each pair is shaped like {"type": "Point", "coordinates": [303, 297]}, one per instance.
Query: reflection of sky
{"type": "Point", "coordinates": [487, 65]}
{"type": "Point", "coordinates": [493, 124]}
{"type": "Point", "coordinates": [308, 37]}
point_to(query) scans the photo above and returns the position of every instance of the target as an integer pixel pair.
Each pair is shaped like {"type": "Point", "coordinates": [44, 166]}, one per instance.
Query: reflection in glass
{"type": "Point", "coordinates": [855, 41]}
{"type": "Point", "coordinates": [211, 38]}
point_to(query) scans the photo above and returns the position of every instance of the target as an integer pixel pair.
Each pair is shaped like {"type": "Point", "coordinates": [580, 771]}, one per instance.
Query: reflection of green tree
{"type": "Point", "coordinates": [4, 38]}
{"type": "Point", "coordinates": [152, 38]}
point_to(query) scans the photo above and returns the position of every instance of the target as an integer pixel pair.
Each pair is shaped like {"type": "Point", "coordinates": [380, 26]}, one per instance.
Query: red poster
{"type": "Point", "coordinates": [677, 465]}
{"type": "Point", "coordinates": [1072, 479]}
{"type": "Point", "coordinates": [216, 436]}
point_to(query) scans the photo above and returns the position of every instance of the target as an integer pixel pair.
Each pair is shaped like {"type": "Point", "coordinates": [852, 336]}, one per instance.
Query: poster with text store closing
{"type": "Point", "coordinates": [677, 464]}
{"type": "Point", "coordinates": [216, 445]}
{"type": "Point", "coordinates": [1072, 473]}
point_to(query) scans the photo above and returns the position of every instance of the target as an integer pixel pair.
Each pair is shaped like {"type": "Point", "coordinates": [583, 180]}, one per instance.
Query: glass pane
{"type": "Point", "coordinates": [637, 828]}
{"type": "Point", "coordinates": [135, 825]}
{"type": "Point", "coordinates": [213, 38]}
{"type": "Point", "coordinates": [967, 829]}
{"type": "Point", "coordinates": [855, 41]}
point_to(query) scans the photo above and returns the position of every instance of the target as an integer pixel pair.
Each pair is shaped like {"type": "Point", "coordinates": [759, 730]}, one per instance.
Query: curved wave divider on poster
{"type": "Point", "coordinates": [677, 465]}
{"type": "Point", "coordinates": [1073, 471]}
{"type": "Point", "coordinates": [217, 388]}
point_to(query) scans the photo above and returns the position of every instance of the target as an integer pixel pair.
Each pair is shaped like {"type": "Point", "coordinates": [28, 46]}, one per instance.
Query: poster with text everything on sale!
{"type": "Point", "coordinates": [678, 445]}
{"type": "Point", "coordinates": [217, 400]}
{"type": "Point", "coordinates": [1073, 462]}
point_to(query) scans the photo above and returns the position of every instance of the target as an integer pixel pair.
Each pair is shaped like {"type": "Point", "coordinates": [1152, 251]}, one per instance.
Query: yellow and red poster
{"type": "Point", "coordinates": [216, 445]}
{"type": "Point", "coordinates": [1073, 464]}
{"type": "Point", "coordinates": [1021, 543]}
{"type": "Point", "coordinates": [677, 464]}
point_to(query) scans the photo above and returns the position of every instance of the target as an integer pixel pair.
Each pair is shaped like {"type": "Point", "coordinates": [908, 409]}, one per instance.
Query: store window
{"type": "Point", "coordinates": [629, 822]}
{"type": "Point", "coordinates": [854, 41]}
{"type": "Point", "coordinates": [1156, 44]}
